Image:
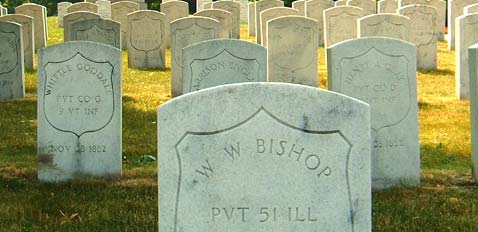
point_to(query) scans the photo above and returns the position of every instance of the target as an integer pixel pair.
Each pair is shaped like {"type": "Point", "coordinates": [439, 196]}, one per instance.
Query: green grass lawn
{"type": "Point", "coordinates": [446, 201]}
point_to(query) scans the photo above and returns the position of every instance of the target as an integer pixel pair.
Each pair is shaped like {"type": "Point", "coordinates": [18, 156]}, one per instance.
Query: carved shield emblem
{"type": "Point", "coordinates": [146, 34]}
{"type": "Point", "coordinates": [78, 95]}
{"type": "Point", "coordinates": [8, 52]}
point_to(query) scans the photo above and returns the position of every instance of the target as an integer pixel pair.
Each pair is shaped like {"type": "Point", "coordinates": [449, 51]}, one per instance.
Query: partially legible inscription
{"type": "Point", "coordinates": [99, 34]}
{"type": "Point", "coordinates": [8, 52]}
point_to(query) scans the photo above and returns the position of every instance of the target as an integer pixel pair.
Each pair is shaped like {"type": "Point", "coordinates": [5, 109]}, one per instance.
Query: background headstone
{"type": "Point", "coordinates": [423, 34]}
{"type": "Point", "coordinates": [466, 28]}
{"type": "Point", "coordinates": [382, 72]}
{"type": "Point", "coordinates": [261, 6]}
{"type": "Point", "coordinates": [251, 25]}
{"type": "Point", "coordinates": [83, 6]}
{"type": "Point", "coordinates": [292, 50]}
{"type": "Point", "coordinates": [28, 43]}
{"type": "Point", "coordinates": [184, 32]}
{"type": "Point", "coordinates": [173, 10]}
{"type": "Point", "coordinates": [224, 18]}
{"type": "Point", "coordinates": [340, 24]}
{"type": "Point", "coordinates": [300, 6]}
{"type": "Point", "coordinates": [74, 17]}
{"type": "Point", "coordinates": [305, 165]}
{"type": "Point", "coordinates": [119, 13]}
{"type": "Point", "coordinates": [222, 61]}
{"type": "Point", "coordinates": [62, 10]}
{"type": "Point", "coordinates": [79, 111]}
{"type": "Point", "coordinates": [368, 6]}
{"type": "Point", "coordinates": [39, 18]}
{"type": "Point", "coordinates": [97, 30]}
{"type": "Point", "coordinates": [146, 39]}
{"type": "Point", "coordinates": [470, 9]}
{"type": "Point", "coordinates": [270, 14]}
{"type": "Point", "coordinates": [12, 74]}
{"type": "Point", "coordinates": [387, 6]}
{"type": "Point", "coordinates": [234, 8]}
{"type": "Point", "coordinates": [454, 10]}
{"type": "Point", "coordinates": [473, 68]}
{"type": "Point", "coordinates": [315, 9]}
{"type": "Point", "coordinates": [385, 25]}
{"type": "Point", "coordinates": [341, 3]}
{"type": "Point", "coordinates": [104, 8]}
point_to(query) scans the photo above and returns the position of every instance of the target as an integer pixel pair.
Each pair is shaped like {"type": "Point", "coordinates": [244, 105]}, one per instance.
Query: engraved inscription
{"type": "Point", "coordinates": [249, 174]}
{"type": "Point", "coordinates": [145, 34]}
{"type": "Point", "coordinates": [78, 95]}
{"type": "Point", "coordinates": [8, 52]}
{"type": "Point", "coordinates": [380, 80]}
{"type": "Point", "coordinates": [98, 34]}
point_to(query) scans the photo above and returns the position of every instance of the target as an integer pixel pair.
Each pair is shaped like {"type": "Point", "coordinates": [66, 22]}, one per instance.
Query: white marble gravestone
{"type": "Point", "coordinates": [340, 23]}
{"type": "Point", "coordinates": [12, 74]}
{"type": "Point", "coordinates": [292, 50]}
{"type": "Point", "coordinates": [146, 39]}
{"type": "Point", "coordinates": [314, 9]}
{"type": "Point", "coordinates": [234, 8]}
{"type": "Point", "coordinates": [340, 3]}
{"type": "Point", "coordinates": [97, 30]}
{"type": "Point", "coordinates": [385, 25]}
{"type": "Point", "coordinates": [387, 6]}
{"type": "Point", "coordinates": [251, 23]}
{"type": "Point", "coordinates": [27, 34]}
{"type": "Point", "coordinates": [200, 4]}
{"type": "Point", "coordinates": [270, 14]}
{"type": "Point", "coordinates": [300, 6]}
{"type": "Point", "coordinates": [173, 10]}
{"type": "Point", "coordinates": [423, 33]}
{"type": "Point", "coordinates": [465, 35]}
{"type": "Point", "coordinates": [104, 8]}
{"type": "Point", "coordinates": [62, 10]}
{"type": "Point", "coordinates": [74, 17]}
{"type": "Point", "coordinates": [454, 10]}
{"type": "Point", "coordinates": [222, 61]}
{"type": "Point", "coordinates": [37, 12]}
{"type": "Point", "coordinates": [184, 32]}
{"type": "Point", "coordinates": [440, 7]}
{"type": "Point", "coordinates": [382, 72]}
{"type": "Point", "coordinates": [261, 6]}
{"type": "Point", "coordinates": [368, 6]}
{"type": "Point", "coordinates": [83, 6]}
{"type": "Point", "coordinates": [246, 162]}
{"type": "Point", "coordinates": [79, 111]}
{"type": "Point", "coordinates": [224, 18]}
{"type": "Point", "coordinates": [473, 69]}
{"type": "Point", "coordinates": [119, 13]}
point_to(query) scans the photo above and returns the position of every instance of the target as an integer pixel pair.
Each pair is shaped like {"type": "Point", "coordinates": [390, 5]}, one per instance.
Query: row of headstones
{"type": "Point", "coordinates": [242, 10]}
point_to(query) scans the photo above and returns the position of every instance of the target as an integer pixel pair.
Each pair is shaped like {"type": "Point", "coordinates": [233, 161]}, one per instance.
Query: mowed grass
{"type": "Point", "coordinates": [446, 201]}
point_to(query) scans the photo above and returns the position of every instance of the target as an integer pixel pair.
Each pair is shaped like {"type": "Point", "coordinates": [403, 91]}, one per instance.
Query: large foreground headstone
{"type": "Point", "coordinates": [27, 34]}
{"type": "Point", "coordinates": [222, 61]}
{"type": "Point", "coordinates": [12, 75]}
{"type": "Point", "coordinates": [79, 111]}
{"type": "Point", "coordinates": [184, 32]}
{"type": "Point", "coordinates": [292, 55]}
{"type": "Point", "coordinates": [97, 30]}
{"type": "Point", "coordinates": [382, 72]}
{"type": "Point", "coordinates": [247, 157]}
{"type": "Point", "coordinates": [146, 39]}
{"type": "Point", "coordinates": [465, 35]}
{"type": "Point", "coordinates": [37, 12]}
{"type": "Point", "coordinates": [473, 69]}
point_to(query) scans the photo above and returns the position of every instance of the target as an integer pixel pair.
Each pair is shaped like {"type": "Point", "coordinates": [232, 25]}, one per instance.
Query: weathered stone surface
{"type": "Point", "coordinates": [104, 9]}
{"type": "Point", "coordinates": [146, 39]}
{"type": "Point", "coordinates": [234, 8]}
{"type": "Point", "coordinates": [473, 68]}
{"type": "Point", "coordinates": [244, 8]}
{"type": "Point", "coordinates": [27, 34]}
{"type": "Point", "coordinates": [270, 14]}
{"type": "Point", "coordinates": [466, 28]}
{"type": "Point", "coordinates": [173, 10]}
{"type": "Point", "coordinates": [423, 34]}
{"type": "Point", "coordinates": [300, 6]}
{"type": "Point", "coordinates": [200, 4]}
{"type": "Point", "coordinates": [470, 9]}
{"type": "Point", "coordinates": [340, 24]}
{"type": "Point", "coordinates": [261, 6]}
{"type": "Point", "coordinates": [341, 3]}
{"type": "Point", "coordinates": [207, 5]}
{"type": "Point", "coordinates": [12, 75]}
{"type": "Point", "coordinates": [251, 24]}
{"type": "Point", "coordinates": [184, 32]}
{"type": "Point", "coordinates": [224, 18]}
{"type": "Point", "coordinates": [440, 6]}
{"type": "Point", "coordinates": [402, 3]}
{"type": "Point", "coordinates": [454, 10]}
{"type": "Point", "coordinates": [382, 72]}
{"type": "Point", "coordinates": [119, 13]}
{"type": "Point", "coordinates": [62, 11]}
{"type": "Point", "coordinates": [292, 50]}
{"type": "Point", "coordinates": [385, 25]}
{"type": "Point", "coordinates": [368, 6]}
{"type": "Point", "coordinates": [37, 12]}
{"type": "Point", "coordinates": [79, 111]}
{"type": "Point", "coordinates": [97, 30]}
{"type": "Point", "coordinates": [244, 162]}
{"type": "Point", "coordinates": [314, 9]}
{"type": "Point", "coordinates": [222, 61]}
{"type": "Point", "coordinates": [83, 6]}
{"type": "Point", "coordinates": [387, 6]}
{"type": "Point", "coordinates": [74, 17]}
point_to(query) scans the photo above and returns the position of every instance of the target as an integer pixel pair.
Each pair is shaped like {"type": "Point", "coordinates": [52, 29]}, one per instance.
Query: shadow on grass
{"type": "Point", "coordinates": [426, 105]}
{"type": "Point", "coordinates": [439, 72]}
